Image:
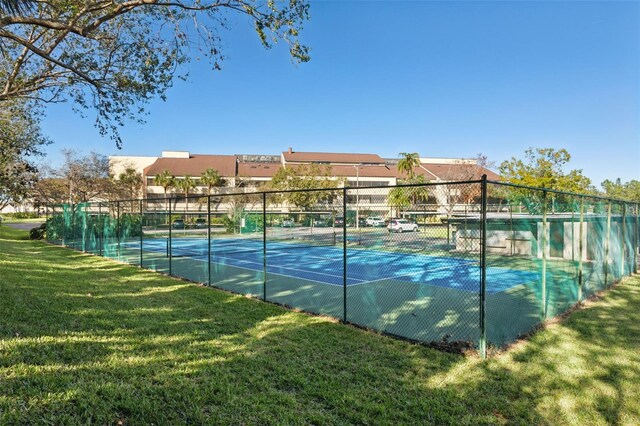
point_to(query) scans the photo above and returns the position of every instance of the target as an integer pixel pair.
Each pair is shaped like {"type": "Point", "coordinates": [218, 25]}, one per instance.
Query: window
{"type": "Point", "coordinates": [367, 183]}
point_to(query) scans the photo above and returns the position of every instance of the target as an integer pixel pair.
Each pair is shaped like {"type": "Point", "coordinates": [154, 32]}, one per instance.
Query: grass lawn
{"type": "Point", "coordinates": [86, 340]}
{"type": "Point", "coordinates": [31, 220]}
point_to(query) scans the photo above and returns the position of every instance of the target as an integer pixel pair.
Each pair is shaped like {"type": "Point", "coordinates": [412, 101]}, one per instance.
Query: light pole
{"type": "Point", "coordinates": [357, 166]}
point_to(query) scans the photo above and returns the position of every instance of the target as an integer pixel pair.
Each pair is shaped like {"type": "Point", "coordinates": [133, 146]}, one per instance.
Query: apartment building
{"type": "Point", "coordinates": [247, 172]}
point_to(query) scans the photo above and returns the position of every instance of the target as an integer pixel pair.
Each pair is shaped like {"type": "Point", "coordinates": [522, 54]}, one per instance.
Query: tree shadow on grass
{"type": "Point", "coordinates": [101, 342]}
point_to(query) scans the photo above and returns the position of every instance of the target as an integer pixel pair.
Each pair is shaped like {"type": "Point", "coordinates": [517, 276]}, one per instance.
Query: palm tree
{"type": "Point", "coordinates": [131, 182]}
{"type": "Point", "coordinates": [408, 163]}
{"type": "Point", "coordinates": [186, 184]}
{"type": "Point", "coordinates": [211, 178]}
{"type": "Point", "coordinates": [166, 180]}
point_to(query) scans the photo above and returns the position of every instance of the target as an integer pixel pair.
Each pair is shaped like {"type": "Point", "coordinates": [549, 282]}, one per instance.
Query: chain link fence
{"type": "Point", "coordinates": [468, 264]}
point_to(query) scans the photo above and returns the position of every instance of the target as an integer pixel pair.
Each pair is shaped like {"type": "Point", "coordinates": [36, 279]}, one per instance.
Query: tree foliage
{"type": "Point", "coordinates": [21, 142]}
{"type": "Point", "coordinates": [211, 178]}
{"type": "Point", "coordinates": [48, 190]}
{"type": "Point", "coordinates": [128, 183]}
{"type": "Point", "coordinates": [304, 177]}
{"type": "Point", "coordinates": [402, 197]}
{"type": "Point", "coordinates": [544, 168]}
{"type": "Point", "coordinates": [626, 191]}
{"type": "Point", "coordinates": [166, 180]}
{"type": "Point", "coordinates": [79, 179]}
{"type": "Point", "coordinates": [408, 163]}
{"type": "Point", "coordinates": [186, 184]}
{"type": "Point", "coordinates": [115, 56]}
{"type": "Point", "coordinates": [14, 7]}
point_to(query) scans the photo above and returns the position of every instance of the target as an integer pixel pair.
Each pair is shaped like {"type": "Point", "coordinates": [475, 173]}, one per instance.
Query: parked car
{"type": "Point", "coordinates": [362, 222]}
{"type": "Point", "coordinates": [178, 224]}
{"type": "Point", "coordinates": [201, 223]}
{"type": "Point", "coordinates": [375, 221]}
{"type": "Point", "coordinates": [402, 225]}
{"type": "Point", "coordinates": [338, 221]}
{"type": "Point", "coordinates": [287, 223]}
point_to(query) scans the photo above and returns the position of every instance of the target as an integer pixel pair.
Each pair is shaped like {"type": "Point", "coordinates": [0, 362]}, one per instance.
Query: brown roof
{"type": "Point", "coordinates": [258, 169]}
{"type": "Point", "coordinates": [458, 172]}
{"type": "Point", "coordinates": [195, 165]}
{"type": "Point", "coordinates": [368, 171]}
{"type": "Point", "coordinates": [331, 157]}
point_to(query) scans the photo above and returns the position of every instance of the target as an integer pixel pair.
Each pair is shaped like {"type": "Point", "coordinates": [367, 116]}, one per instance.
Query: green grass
{"type": "Point", "coordinates": [86, 340]}
{"type": "Point", "coordinates": [8, 233]}
{"type": "Point", "coordinates": [31, 220]}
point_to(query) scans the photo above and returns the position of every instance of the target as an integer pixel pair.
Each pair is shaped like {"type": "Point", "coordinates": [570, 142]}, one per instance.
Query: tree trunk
{"type": "Point", "coordinates": [186, 206]}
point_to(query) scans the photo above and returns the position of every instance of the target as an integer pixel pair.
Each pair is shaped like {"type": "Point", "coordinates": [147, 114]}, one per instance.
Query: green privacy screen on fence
{"type": "Point", "coordinates": [475, 261]}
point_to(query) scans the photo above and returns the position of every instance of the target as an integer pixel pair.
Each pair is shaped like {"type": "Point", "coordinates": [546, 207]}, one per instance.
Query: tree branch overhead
{"type": "Point", "coordinates": [114, 57]}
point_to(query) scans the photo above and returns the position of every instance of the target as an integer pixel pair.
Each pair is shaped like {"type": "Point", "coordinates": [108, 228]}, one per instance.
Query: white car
{"type": "Point", "coordinates": [402, 225]}
{"type": "Point", "coordinates": [374, 221]}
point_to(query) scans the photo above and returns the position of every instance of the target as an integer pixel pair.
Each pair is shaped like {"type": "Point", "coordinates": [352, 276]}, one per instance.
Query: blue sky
{"type": "Point", "coordinates": [445, 79]}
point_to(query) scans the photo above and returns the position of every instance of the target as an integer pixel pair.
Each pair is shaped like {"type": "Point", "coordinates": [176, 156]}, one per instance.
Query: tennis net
{"type": "Point", "coordinates": [198, 247]}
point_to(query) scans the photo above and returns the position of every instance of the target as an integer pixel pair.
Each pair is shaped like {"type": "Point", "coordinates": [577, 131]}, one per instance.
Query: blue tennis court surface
{"type": "Point", "coordinates": [324, 264]}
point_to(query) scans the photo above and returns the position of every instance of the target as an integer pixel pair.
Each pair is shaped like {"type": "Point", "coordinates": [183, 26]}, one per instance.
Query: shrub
{"type": "Point", "coordinates": [38, 233]}
{"type": "Point", "coordinates": [24, 215]}
{"type": "Point", "coordinates": [55, 227]}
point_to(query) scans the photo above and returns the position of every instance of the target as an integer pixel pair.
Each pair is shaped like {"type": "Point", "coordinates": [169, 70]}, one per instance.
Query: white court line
{"type": "Point", "coordinates": [214, 253]}
{"type": "Point", "coordinates": [376, 281]}
{"type": "Point", "coordinates": [291, 269]}
{"type": "Point", "coordinates": [283, 253]}
{"type": "Point", "coordinates": [355, 281]}
{"type": "Point", "coordinates": [410, 274]}
{"type": "Point", "coordinates": [261, 270]}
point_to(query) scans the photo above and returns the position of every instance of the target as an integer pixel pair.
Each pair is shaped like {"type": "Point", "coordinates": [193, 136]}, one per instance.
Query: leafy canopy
{"type": "Point", "coordinates": [408, 163]}
{"type": "Point", "coordinates": [407, 196]}
{"type": "Point", "coordinates": [211, 178]}
{"type": "Point", "coordinates": [304, 177]}
{"type": "Point", "coordinates": [128, 183]}
{"type": "Point", "coordinates": [186, 184]}
{"type": "Point", "coordinates": [21, 142]}
{"type": "Point", "coordinates": [544, 168]}
{"type": "Point", "coordinates": [165, 179]}
{"type": "Point", "coordinates": [113, 57]}
{"type": "Point", "coordinates": [626, 191]}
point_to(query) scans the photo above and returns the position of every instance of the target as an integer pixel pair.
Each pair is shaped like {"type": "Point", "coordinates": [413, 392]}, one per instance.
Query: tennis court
{"type": "Point", "coordinates": [542, 254]}
{"type": "Point", "coordinates": [325, 264]}
{"type": "Point", "coordinates": [417, 296]}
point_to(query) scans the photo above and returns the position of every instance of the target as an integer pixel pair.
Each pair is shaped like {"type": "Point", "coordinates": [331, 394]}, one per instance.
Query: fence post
{"type": "Point", "coordinates": [544, 255]}
{"type": "Point", "coordinates": [46, 221]}
{"type": "Point", "coordinates": [607, 244]}
{"type": "Point", "coordinates": [64, 225]}
{"type": "Point", "coordinates": [73, 226]}
{"type": "Point", "coordinates": [580, 249]}
{"type": "Point", "coordinates": [209, 240]}
{"type": "Point", "coordinates": [84, 229]}
{"type": "Point", "coordinates": [623, 246]}
{"type": "Point", "coordinates": [141, 229]}
{"type": "Point", "coordinates": [635, 240]}
{"type": "Point", "coordinates": [264, 246]}
{"type": "Point", "coordinates": [169, 240]}
{"type": "Point", "coordinates": [118, 228]}
{"type": "Point", "coordinates": [344, 254]}
{"type": "Point", "coordinates": [483, 266]}
{"type": "Point", "coordinates": [101, 230]}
